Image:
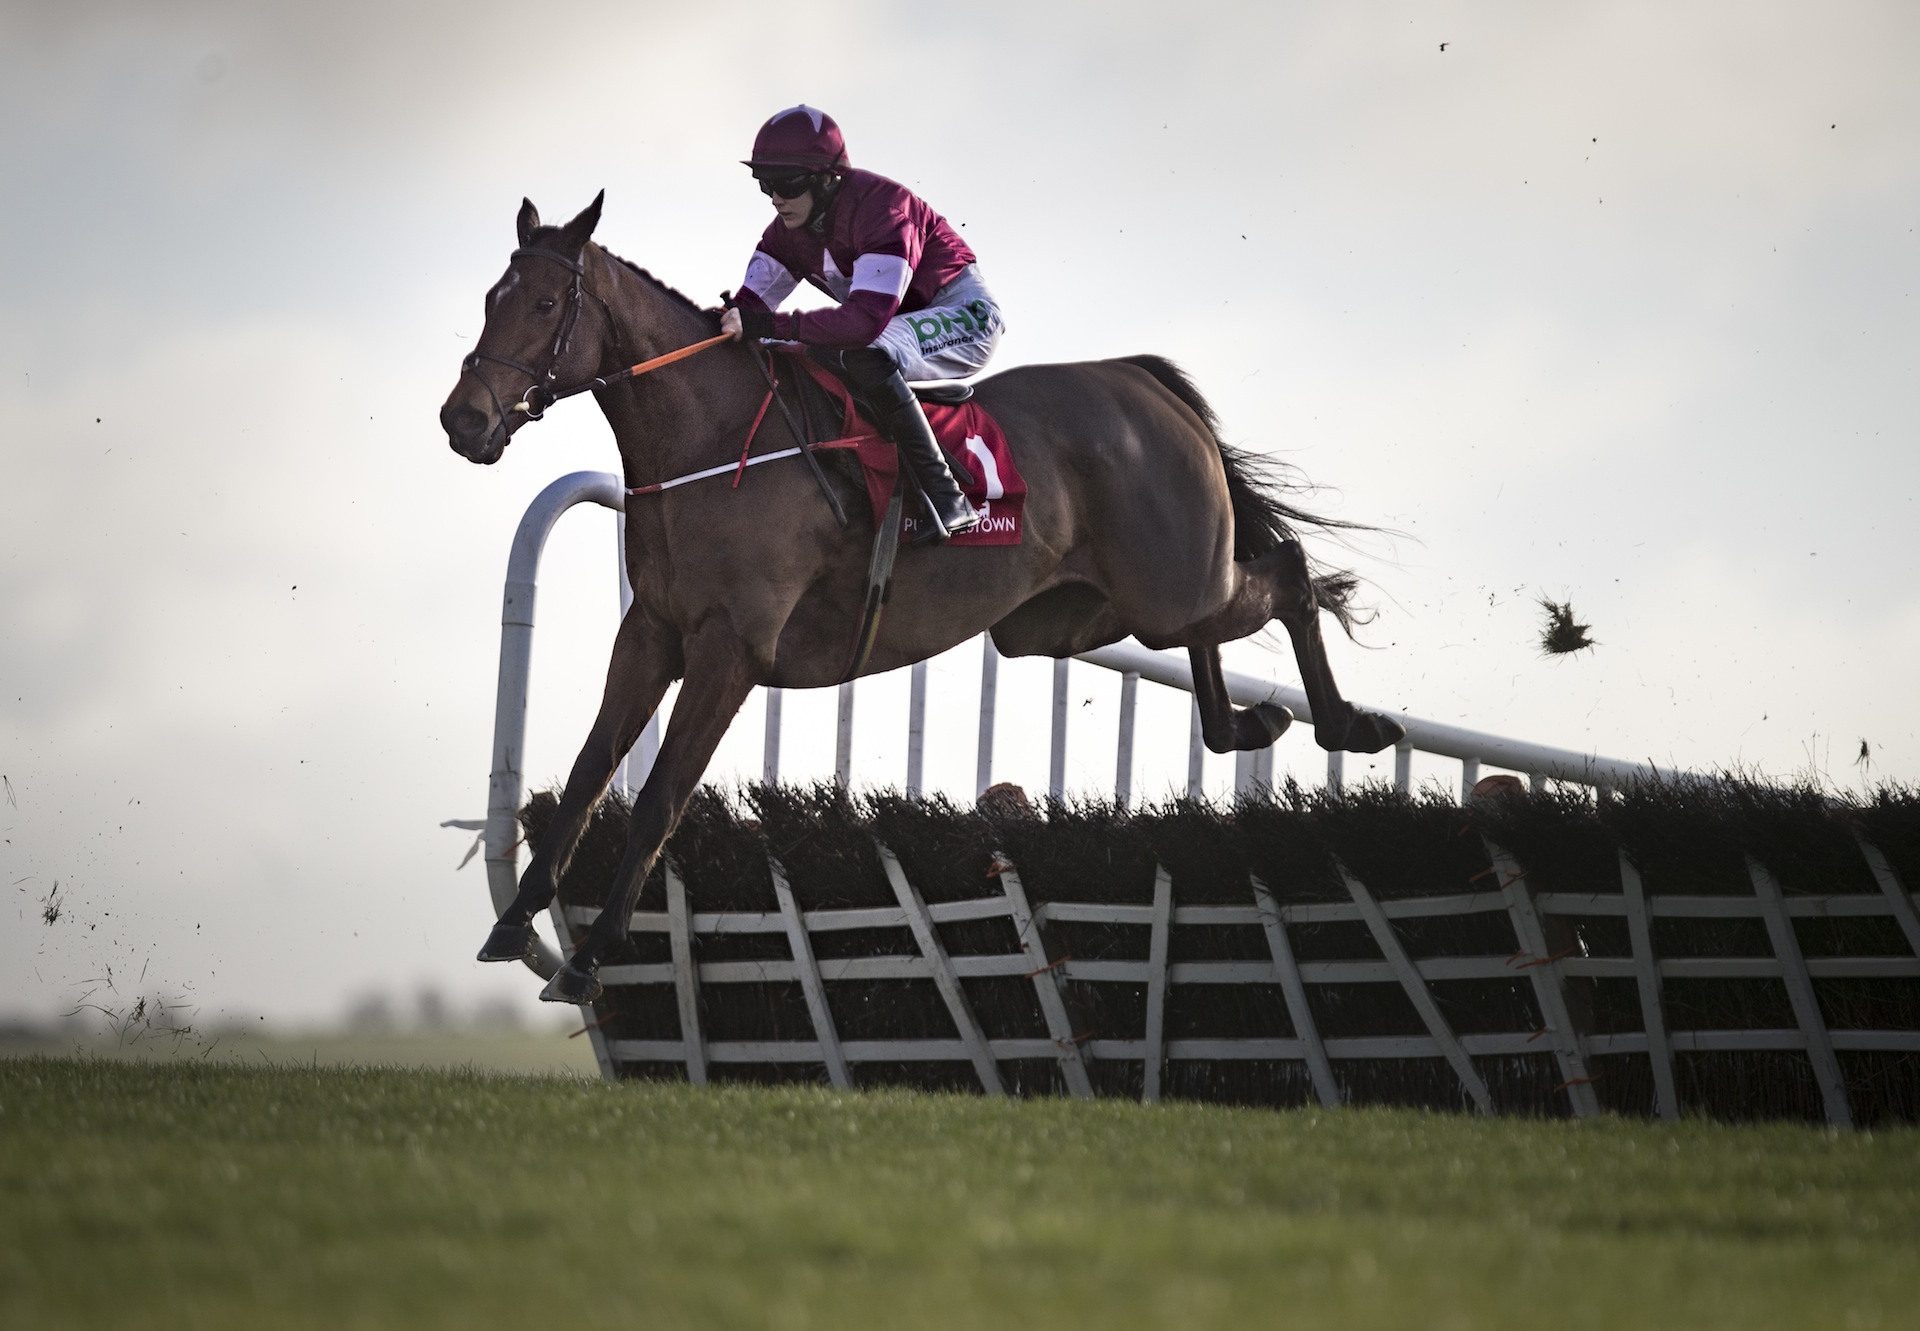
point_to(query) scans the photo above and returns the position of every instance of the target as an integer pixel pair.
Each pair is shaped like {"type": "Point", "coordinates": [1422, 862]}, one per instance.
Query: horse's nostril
{"type": "Point", "coordinates": [462, 422]}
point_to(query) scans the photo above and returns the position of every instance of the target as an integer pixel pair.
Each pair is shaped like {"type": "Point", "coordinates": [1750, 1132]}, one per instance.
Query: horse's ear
{"type": "Point", "coordinates": [575, 233]}
{"type": "Point", "coordinates": [529, 219]}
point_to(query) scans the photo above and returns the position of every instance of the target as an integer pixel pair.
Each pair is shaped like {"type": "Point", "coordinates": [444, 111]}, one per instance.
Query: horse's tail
{"type": "Point", "coordinates": [1262, 519]}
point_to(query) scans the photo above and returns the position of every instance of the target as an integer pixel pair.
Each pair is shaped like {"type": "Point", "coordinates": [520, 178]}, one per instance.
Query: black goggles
{"type": "Point", "coordinates": [786, 187]}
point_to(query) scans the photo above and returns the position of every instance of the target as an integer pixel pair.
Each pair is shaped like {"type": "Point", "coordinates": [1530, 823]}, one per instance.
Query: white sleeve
{"type": "Point", "coordinates": [768, 279]}
{"type": "Point", "coordinates": [887, 274]}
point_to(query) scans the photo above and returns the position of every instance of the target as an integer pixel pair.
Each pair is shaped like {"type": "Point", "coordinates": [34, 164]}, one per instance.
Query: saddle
{"type": "Point", "coordinates": [971, 438]}
{"type": "Point", "coordinates": [948, 392]}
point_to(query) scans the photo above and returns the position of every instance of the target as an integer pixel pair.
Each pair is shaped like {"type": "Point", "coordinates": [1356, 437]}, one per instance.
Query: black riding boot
{"type": "Point", "coordinates": [898, 413]}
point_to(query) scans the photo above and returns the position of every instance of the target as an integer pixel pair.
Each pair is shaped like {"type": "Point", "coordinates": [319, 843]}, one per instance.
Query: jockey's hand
{"type": "Point", "coordinates": [753, 324]}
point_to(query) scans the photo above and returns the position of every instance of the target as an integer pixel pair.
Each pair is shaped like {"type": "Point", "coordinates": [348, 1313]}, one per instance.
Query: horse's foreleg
{"type": "Point", "coordinates": [645, 660]}
{"type": "Point", "coordinates": [718, 678]}
{"type": "Point", "coordinates": [1222, 727]}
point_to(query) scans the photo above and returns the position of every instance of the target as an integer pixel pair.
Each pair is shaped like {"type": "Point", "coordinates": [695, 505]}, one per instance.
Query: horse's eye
{"type": "Point", "coordinates": [543, 305]}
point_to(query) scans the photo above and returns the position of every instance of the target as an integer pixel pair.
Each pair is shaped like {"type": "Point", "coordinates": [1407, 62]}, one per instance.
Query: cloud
{"type": "Point", "coordinates": [253, 244]}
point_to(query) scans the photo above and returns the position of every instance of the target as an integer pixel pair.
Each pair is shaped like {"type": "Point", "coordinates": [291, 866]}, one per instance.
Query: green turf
{"type": "Point", "coordinates": [494, 1050]}
{"type": "Point", "coordinates": [203, 1196]}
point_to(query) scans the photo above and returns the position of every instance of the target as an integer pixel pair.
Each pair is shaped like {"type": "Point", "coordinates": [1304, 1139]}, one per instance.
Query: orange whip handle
{"type": "Point", "coordinates": [646, 366]}
{"type": "Point", "coordinates": [539, 398]}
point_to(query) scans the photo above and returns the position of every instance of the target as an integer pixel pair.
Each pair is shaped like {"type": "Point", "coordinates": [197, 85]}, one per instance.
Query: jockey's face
{"type": "Point", "coordinates": [793, 213]}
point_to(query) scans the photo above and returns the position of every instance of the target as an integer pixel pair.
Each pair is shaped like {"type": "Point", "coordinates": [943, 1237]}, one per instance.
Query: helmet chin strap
{"type": "Point", "coordinates": [823, 196]}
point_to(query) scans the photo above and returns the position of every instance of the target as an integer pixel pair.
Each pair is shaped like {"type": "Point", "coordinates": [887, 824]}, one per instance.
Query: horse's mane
{"type": "Point", "coordinates": [678, 295]}
{"type": "Point", "coordinates": [549, 233]}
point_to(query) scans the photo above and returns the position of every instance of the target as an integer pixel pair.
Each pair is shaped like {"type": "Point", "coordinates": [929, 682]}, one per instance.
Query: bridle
{"type": "Point", "coordinates": [540, 392]}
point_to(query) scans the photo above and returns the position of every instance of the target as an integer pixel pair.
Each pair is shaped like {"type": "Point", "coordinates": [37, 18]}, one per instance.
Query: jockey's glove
{"type": "Point", "coordinates": [755, 323]}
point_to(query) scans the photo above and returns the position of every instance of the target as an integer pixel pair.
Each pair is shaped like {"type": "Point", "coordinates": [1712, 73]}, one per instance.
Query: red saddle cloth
{"type": "Point", "coordinates": [968, 434]}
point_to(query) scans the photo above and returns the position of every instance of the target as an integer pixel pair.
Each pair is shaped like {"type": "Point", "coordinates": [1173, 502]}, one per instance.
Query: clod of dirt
{"type": "Point", "coordinates": [1561, 634]}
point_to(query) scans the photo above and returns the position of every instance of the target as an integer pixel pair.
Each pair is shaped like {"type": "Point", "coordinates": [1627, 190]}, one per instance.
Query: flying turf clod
{"type": "Point", "coordinates": [1562, 635]}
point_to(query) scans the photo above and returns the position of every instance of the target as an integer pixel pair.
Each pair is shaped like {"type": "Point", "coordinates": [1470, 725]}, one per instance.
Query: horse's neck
{"type": "Point", "coordinates": [648, 317]}
{"type": "Point", "coordinates": [666, 421]}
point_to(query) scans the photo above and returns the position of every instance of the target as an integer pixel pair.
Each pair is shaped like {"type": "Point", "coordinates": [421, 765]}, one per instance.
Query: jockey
{"type": "Point", "coordinates": [911, 301]}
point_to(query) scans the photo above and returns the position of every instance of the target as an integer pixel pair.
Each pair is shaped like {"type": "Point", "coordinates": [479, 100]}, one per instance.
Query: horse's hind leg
{"type": "Point", "coordinates": [718, 679]}
{"type": "Point", "coordinates": [1337, 723]}
{"type": "Point", "coordinates": [1278, 585]}
{"type": "Point", "coordinates": [643, 665]}
{"type": "Point", "coordinates": [1223, 727]}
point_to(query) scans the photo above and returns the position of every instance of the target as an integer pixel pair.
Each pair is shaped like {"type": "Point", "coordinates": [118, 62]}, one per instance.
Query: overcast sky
{"type": "Point", "coordinates": [1608, 303]}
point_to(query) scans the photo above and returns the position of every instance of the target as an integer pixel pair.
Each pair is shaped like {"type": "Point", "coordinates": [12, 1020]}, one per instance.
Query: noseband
{"type": "Point", "coordinates": [540, 392]}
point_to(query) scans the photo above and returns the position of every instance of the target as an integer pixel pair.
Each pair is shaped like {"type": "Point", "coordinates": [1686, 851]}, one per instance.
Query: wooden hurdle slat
{"type": "Point", "coordinates": [1665, 906]}
{"type": "Point", "coordinates": [603, 1053]}
{"type": "Point", "coordinates": [1262, 1050]}
{"type": "Point", "coordinates": [1432, 970]}
{"type": "Point", "coordinates": [1676, 907]}
{"type": "Point", "coordinates": [811, 984]}
{"type": "Point", "coordinates": [1156, 1043]}
{"type": "Point", "coordinates": [944, 978]}
{"type": "Point", "coordinates": [1898, 901]}
{"type": "Point", "coordinates": [1806, 1006]}
{"type": "Point", "coordinates": [1046, 983]}
{"type": "Point", "coordinates": [1653, 1009]}
{"type": "Point", "coordinates": [1305, 912]}
{"type": "Point", "coordinates": [1548, 984]}
{"type": "Point", "coordinates": [685, 983]}
{"type": "Point", "coordinates": [1287, 970]}
{"type": "Point", "coordinates": [1416, 990]}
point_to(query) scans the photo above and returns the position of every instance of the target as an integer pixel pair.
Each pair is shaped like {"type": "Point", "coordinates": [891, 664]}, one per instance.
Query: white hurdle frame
{"type": "Point", "coordinates": [1131, 661]}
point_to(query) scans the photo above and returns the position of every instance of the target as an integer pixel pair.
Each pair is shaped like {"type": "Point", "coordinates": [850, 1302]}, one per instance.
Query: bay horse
{"type": "Point", "coordinates": [1139, 520]}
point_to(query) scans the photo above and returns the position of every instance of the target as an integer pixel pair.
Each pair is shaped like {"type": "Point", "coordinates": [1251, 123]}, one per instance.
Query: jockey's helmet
{"type": "Point", "coordinates": [795, 140]}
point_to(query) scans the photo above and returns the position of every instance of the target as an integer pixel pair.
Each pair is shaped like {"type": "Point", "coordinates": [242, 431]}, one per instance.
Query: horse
{"type": "Point", "coordinates": [1139, 520]}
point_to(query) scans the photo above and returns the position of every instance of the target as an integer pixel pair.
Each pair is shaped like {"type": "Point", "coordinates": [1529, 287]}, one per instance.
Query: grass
{"type": "Point", "coordinates": [195, 1194]}
{"type": "Point", "coordinates": [487, 1050]}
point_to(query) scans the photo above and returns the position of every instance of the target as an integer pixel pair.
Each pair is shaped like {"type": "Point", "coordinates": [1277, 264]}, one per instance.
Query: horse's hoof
{"type": "Point", "coordinates": [570, 984]}
{"type": "Point", "coordinates": [1260, 725]}
{"type": "Point", "coordinates": [508, 942]}
{"type": "Point", "coordinates": [1372, 732]}
{"type": "Point", "coordinates": [1331, 734]}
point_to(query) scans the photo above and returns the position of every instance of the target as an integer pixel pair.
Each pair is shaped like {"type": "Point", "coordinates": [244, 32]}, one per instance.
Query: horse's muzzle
{"type": "Point", "coordinates": [472, 436]}
{"type": "Point", "coordinates": [484, 451]}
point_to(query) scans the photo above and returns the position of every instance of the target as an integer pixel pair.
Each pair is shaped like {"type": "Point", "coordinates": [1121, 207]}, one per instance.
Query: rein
{"type": "Point", "coordinates": [807, 445]}
{"type": "Point", "coordinates": [886, 540]}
